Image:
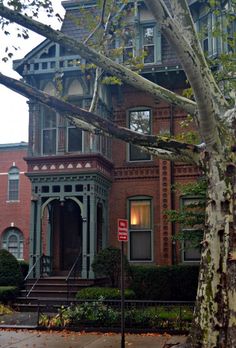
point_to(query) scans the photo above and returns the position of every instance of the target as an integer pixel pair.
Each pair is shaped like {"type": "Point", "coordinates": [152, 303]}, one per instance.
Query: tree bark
{"type": "Point", "coordinates": [214, 323]}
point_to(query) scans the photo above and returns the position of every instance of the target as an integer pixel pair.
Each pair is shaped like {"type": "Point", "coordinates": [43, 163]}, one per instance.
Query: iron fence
{"type": "Point", "coordinates": [140, 316]}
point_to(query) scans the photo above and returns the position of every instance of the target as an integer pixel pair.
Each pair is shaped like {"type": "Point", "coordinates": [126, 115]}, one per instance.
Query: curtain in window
{"type": "Point", "coordinates": [140, 215]}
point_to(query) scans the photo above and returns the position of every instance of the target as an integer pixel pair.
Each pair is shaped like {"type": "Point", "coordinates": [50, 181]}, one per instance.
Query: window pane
{"type": "Point", "coordinates": [190, 253]}
{"type": "Point", "coordinates": [140, 214]}
{"type": "Point", "coordinates": [149, 54]}
{"type": "Point", "coordinates": [140, 245]}
{"type": "Point", "coordinates": [139, 121]}
{"type": "Point", "coordinates": [148, 35]}
{"type": "Point", "coordinates": [13, 190]}
{"type": "Point", "coordinates": [135, 154]}
{"type": "Point", "coordinates": [128, 36]}
{"type": "Point", "coordinates": [49, 118]}
{"type": "Point", "coordinates": [128, 53]}
{"type": "Point", "coordinates": [13, 245]}
{"type": "Point", "coordinates": [49, 141]}
{"type": "Point", "coordinates": [74, 139]}
{"type": "Point", "coordinates": [148, 44]}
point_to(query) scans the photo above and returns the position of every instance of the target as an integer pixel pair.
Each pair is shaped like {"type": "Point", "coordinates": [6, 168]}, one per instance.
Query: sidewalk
{"type": "Point", "coordinates": [67, 339]}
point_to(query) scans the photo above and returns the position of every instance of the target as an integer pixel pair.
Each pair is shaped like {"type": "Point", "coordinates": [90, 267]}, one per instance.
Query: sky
{"type": "Point", "coordinates": [13, 107]}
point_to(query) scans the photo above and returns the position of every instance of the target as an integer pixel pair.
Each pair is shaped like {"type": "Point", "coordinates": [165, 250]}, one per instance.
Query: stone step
{"type": "Point", "coordinates": [49, 293]}
{"type": "Point", "coordinates": [41, 304]}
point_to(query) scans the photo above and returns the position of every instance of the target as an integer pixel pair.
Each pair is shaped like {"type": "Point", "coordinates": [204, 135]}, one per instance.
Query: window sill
{"type": "Point", "coordinates": [16, 201]}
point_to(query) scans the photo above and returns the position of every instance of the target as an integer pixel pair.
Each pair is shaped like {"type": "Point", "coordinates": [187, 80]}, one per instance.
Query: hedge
{"type": "Point", "coordinates": [96, 293]}
{"type": "Point", "coordinates": [10, 273]}
{"type": "Point", "coordinates": [8, 293]}
{"type": "Point", "coordinates": [165, 283]}
{"type": "Point", "coordinates": [24, 267]}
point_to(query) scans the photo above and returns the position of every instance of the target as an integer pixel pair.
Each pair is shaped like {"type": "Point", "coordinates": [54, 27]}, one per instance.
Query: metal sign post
{"type": "Point", "coordinates": [122, 237]}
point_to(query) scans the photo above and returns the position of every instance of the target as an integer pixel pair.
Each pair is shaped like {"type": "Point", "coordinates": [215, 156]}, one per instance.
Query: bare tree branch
{"type": "Point", "coordinates": [209, 100]}
{"type": "Point", "coordinates": [107, 64]}
{"type": "Point", "coordinates": [165, 148]}
{"type": "Point", "coordinates": [99, 25]}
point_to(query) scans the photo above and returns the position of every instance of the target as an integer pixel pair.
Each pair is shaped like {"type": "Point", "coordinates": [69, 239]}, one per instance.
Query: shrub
{"type": "Point", "coordinates": [165, 283]}
{"type": "Point", "coordinates": [24, 267]}
{"type": "Point", "coordinates": [8, 293]}
{"type": "Point", "coordinates": [95, 293]}
{"type": "Point", "coordinates": [107, 263]}
{"type": "Point", "coordinates": [10, 273]}
{"type": "Point", "coordinates": [5, 310]}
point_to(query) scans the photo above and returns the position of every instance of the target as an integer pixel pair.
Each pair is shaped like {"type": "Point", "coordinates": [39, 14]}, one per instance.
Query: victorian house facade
{"type": "Point", "coordinates": [82, 183]}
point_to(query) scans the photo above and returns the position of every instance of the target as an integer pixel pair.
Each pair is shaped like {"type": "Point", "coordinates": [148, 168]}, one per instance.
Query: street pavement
{"type": "Point", "coordinates": [66, 339]}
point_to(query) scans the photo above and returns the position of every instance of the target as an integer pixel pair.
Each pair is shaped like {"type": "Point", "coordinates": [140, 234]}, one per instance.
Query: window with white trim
{"type": "Point", "coordinates": [49, 131]}
{"type": "Point", "coordinates": [13, 184]}
{"type": "Point", "coordinates": [128, 42]}
{"type": "Point", "coordinates": [151, 43]}
{"type": "Point", "coordinates": [139, 121]}
{"type": "Point", "coordinates": [140, 229]}
{"type": "Point", "coordinates": [74, 139]}
{"type": "Point", "coordinates": [192, 235]}
{"type": "Point", "coordinates": [13, 241]}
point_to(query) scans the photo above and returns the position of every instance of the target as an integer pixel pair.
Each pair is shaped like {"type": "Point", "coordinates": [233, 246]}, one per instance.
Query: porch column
{"type": "Point", "coordinates": [32, 240]}
{"type": "Point", "coordinates": [35, 236]}
{"type": "Point", "coordinates": [38, 246]}
{"type": "Point", "coordinates": [84, 237]}
{"type": "Point", "coordinates": [105, 223]}
{"type": "Point", "coordinates": [92, 231]}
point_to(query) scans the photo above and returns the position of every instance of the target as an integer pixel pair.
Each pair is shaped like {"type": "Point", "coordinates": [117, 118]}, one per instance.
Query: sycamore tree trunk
{"type": "Point", "coordinates": [215, 311]}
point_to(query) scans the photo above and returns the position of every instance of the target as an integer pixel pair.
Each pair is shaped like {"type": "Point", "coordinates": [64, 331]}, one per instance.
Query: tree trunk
{"type": "Point", "coordinates": [215, 312]}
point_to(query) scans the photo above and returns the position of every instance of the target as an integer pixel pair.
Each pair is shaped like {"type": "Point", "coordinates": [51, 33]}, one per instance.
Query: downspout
{"type": "Point", "coordinates": [172, 197]}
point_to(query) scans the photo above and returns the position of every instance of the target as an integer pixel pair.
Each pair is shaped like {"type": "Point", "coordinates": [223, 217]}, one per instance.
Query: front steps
{"type": "Point", "coordinates": [52, 292]}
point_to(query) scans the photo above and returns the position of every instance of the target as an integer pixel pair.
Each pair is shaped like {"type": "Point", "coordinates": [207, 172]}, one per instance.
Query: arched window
{"type": "Point", "coordinates": [13, 184]}
{"type": "Point", "coordinates": [13, 241]}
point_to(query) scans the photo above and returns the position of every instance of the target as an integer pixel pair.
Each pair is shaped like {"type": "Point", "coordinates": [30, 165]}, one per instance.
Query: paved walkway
{"type": "Point", "coordinates": [66, 339]}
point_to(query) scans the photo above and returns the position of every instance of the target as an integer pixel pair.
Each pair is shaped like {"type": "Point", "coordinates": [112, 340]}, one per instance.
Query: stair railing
{"type": "Point", "coordinates": [45, 265]}
{"type": "Point", "coordinates": [33, 268]}
{"type": "Point", "coordinates": [72, 273]}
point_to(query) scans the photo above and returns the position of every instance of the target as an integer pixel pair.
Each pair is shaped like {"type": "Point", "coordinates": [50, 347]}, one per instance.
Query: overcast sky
{"type": "Point", "coordinates": [13, 107]}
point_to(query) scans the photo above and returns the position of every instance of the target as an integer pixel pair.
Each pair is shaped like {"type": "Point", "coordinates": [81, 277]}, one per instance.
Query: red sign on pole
{"type": "Point", "coordinates": [122, 230]}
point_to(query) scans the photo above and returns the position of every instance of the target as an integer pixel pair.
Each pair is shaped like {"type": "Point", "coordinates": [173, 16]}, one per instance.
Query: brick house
{"type": "Point", "coordinates": [15, 192]}
{"type": "Point", "coordinates": [81, 184]}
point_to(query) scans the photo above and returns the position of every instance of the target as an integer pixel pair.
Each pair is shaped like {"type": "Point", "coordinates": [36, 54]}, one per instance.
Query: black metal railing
{"type": "Point", "coordinates": [140, 316]}
{"type": "Point", "coordinates": [45, 266]}
{"type": "Point", "coordinates": [73, 274]}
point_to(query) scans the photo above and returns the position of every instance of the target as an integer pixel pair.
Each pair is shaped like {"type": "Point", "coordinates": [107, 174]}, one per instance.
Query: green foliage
{"type": "Point", "coordinates": [5, 309]}
{"type": "Point", "coordinates": [24, 267]}
{"type": "Point", "coordinates": [95, 293]}
{"type": "Point", "coordinates": [8, 293]}
{"type": "Point", "coordinates": [191, 215]}
{"type": "Point", "coordinates": [10, 273]}
{"type": "Point", "coordinates": [165, 283]}
{"type": "Point", "coordinates": [111, 80]}
{"type": "Point", "coordinates": [97, 314]}
{"type": "Point", "coordinates": [107, 263]}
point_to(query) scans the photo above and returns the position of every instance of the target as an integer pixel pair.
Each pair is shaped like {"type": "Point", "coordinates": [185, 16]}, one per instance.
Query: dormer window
{"type": "Point", "coordinates": [128, 37]}
{"type": "Point", "coordinates": [149, 44]}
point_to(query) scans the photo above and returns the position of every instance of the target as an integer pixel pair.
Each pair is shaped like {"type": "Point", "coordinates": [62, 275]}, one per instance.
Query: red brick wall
{"type": "Point", "coordinates": [151, 178]}
{"type": "Point", "coordinates": [15, 214]}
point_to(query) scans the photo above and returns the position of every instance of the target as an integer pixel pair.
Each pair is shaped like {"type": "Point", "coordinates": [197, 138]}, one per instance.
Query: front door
{"type": "Point", "coordinates": [67, 235]}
